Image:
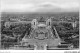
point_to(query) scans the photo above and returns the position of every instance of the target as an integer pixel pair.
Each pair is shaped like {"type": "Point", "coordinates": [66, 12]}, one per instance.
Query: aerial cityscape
{"type": "Point", "coordinates": [51, 25]}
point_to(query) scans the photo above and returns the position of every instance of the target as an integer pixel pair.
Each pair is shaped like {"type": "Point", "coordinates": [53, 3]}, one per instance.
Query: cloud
{"type": "Point", "coordinates": [57, 7]}
{"type": "Point", "coordinates": [70, 5]}
{"type": "Point", "coordinates": [47, 7]}
{"type": "Point", "coordinates": [18, 6]}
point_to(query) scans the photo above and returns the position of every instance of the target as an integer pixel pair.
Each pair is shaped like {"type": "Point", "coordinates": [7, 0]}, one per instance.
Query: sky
{"type": "Point", "coordinates": [39, 5]}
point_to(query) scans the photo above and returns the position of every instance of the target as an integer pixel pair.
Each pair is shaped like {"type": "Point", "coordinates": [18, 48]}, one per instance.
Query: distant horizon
{"type": "Point", "coordinates": [42, 12]}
